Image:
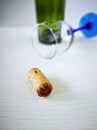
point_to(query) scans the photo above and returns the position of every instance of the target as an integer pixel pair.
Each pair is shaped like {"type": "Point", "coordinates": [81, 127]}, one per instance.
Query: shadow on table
{"type": "Point", "coordinates": [61, 90]}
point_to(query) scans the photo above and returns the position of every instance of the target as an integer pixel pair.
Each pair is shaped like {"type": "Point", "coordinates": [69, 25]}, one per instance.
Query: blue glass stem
{"type": "Point", "coordinates": [87, 26]}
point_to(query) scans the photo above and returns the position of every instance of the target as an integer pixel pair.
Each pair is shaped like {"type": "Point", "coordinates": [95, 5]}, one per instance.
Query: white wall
{"type": "Point", "coordinates": [22, 12]}
{"type": "Point", "coordinates": [76, 8]}
{"type": "Point", "coordinates": [17, 12]}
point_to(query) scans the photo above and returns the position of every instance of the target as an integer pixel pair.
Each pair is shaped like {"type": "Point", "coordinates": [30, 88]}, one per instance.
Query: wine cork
{"type": "Point", "coordinates": [39, 81]}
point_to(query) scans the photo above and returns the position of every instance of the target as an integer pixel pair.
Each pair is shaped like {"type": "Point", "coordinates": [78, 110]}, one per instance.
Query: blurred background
{"type": "Point", "coordinates": [15, 13]}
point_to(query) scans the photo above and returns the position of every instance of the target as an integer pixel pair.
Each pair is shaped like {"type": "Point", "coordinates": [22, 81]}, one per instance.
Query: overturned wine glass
{"type": "Point", "coordinates": [54, 38]}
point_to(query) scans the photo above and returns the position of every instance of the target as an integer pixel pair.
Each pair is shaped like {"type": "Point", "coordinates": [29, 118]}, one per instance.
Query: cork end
{"type": "Point", "coordinates": [44, 90]}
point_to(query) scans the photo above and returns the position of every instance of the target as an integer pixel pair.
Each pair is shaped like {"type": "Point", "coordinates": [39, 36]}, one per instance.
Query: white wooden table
{"type": "Point", "coordinates": [73, 103]}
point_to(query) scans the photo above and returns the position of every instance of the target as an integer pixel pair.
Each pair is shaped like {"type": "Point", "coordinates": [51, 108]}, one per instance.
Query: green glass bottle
{"type": "Point", "coordinates": [50, 12]}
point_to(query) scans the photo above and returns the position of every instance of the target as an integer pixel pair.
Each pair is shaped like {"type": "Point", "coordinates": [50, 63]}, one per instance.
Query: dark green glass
{"type": "Point", "coordinates": [50, 11]}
